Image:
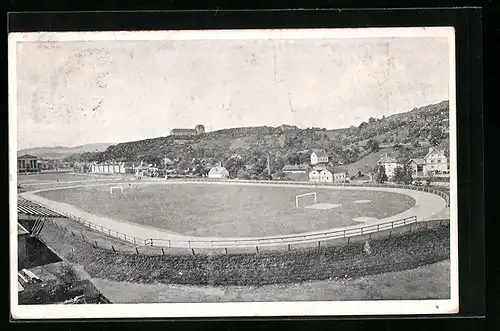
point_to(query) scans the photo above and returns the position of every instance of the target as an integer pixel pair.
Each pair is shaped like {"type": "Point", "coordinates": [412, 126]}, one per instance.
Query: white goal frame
{"type": "Point", "coordinates": [115, 187]}
{"type": "Point", "coordinates": [303, 195]}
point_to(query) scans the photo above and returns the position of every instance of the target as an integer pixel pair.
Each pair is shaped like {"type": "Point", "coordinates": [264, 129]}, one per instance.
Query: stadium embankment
{"type": "Point", "coordinates": [395, 252]}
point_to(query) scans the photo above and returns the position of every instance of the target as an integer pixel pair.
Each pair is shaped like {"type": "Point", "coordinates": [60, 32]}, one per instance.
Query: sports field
{"type": "Point", "coordinates": [233, 210]}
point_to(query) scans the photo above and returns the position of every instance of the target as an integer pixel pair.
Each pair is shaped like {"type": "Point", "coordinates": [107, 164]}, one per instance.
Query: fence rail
{"type": "Point", "coordinates": [262, 241]}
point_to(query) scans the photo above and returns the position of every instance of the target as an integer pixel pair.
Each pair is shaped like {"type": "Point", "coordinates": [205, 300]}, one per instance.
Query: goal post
{"type": "Point", "coordinates": [115, 188]}
{"type": "Point", "coordinates": [304, 195]}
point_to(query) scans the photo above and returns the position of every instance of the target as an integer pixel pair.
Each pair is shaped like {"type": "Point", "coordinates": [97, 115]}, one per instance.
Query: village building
{"type": "Point", "coordinates": [27, 163]}
{"type": "Point", "coordinates": [218, 172]}
{"type": "Point", "coordinates": [436, 162]}
{"type": "Point", "coordinates": [416, 166]}
{"type": "Point", "coordinates": [199, 129]}
{"type": "Point", "coordinates": [107, 168]}
{"type": "Point", "coordinates": [389, 164]}
{"type": "Point", "coordinates": [296, 172]}
{"type": "Point", "coordinates": [321, 175]}
{"type": "Point", "coordinates": [339, 177]}
{"type": "Point", "coordinates": [318, 157]}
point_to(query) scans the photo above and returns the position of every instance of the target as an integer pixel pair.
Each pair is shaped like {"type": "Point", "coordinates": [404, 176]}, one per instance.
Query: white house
{"type": "Point", "coordinates": [108, 168]}
{"type": "Point", "coordinates": [318, 156]}
{"type": "Point", "coordinates": [435, 161]}
{"type": "Point", "coordinates": [218, 172]}
{"type": "Point", "coordinates": [389, 163]}
{"type": "Point", "coordinates": [321, 175]}
{"type": "Point", "coordinates": [339, 177]}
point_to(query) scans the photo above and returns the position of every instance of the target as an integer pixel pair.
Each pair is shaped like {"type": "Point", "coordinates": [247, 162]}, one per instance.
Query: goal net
{"type": "Point", "coordinates": [305, 199]}
{"type": "Point", "coordinates": [114, 189]}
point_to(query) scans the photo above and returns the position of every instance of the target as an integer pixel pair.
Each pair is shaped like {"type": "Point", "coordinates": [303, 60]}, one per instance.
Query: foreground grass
{"type": "Point", "coordinates": [427, 282]}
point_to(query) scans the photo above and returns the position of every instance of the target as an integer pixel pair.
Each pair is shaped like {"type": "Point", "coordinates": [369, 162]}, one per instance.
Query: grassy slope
{"type": "Point", "coordinates": [431, 281]}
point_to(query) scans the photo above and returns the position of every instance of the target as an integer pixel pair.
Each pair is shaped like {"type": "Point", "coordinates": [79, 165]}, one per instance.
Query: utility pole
{"type": "Point", "coordinates": [268, 166]}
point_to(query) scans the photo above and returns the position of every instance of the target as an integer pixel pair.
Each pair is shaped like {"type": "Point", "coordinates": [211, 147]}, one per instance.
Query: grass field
{"type": "Point", "coordinates": [231, 210]}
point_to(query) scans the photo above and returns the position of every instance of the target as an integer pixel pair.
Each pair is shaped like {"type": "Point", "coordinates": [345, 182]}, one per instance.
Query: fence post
{"type": "Point", "coordinates": [162, 251]}
{"type": "Point", "coordinates": [348, 240]}
{"type": "Point", "coordinates": [113, 248]}
{"type": "Point", "coordinates": [257, 248]}
{"type": "Point", "coordinates": [192, 250]}
{"type": "Point", "coordinates": [169, 243]}
{"type": "Point", "coordinates": [319, 244]}
{"type": "Point", "coordinates": [137, 250]}
{"type": "Point", "coordinates": [95, 243]}
{"type": "Point", "coordinates": [225, 249]}
{"type": "Point", "coordinates": [288, 247]}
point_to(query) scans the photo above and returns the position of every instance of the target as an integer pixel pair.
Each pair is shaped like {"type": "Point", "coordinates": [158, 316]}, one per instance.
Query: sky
{"type": "Point", "coordinates": [72, 93]}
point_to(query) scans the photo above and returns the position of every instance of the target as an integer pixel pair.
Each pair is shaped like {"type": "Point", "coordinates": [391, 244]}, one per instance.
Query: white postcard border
{"type": "Point", "coordinates": [238, 309]}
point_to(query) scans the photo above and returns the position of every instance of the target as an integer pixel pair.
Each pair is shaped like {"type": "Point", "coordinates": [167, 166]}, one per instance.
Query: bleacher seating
{"type": "Point", "coordinates": [29, 208]}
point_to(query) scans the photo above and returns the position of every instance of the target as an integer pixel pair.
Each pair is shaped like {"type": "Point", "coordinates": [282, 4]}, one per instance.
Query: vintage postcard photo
{"type": "Point", "coordinates": [233, 173]}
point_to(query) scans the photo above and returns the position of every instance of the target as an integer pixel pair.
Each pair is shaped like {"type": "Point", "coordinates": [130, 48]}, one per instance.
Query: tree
{"type": "Point", "coordinates": [399, 175]}
{"type": "Point", "coordinates": [232, 165]}
{"type": "Point", "coordinates": [373, 145]}
{"type": "Point", "coordinates": [183, 165]}
{"type": "Point", "coordinates": [429, 178]}
{"type": "Point", "coordinates": [280, 175]}
{"type": "Point", "coordinates": [436, 135]}
{"type": "Point", "coordinates": [380, 175]}
{"type": "Point", "coordinates": [243, 174]}
{"type": "Point", "coordinates": [416, 144]}
{"type": "Point", "coordinates": [408, 174]}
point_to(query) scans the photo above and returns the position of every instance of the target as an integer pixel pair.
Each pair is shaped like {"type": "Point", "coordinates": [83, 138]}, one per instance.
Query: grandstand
{"type": "Point", "coordinates": [28, 208]}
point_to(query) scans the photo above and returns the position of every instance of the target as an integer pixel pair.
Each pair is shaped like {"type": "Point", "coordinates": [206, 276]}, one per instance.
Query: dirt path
{"type": "Point", "coordinates": [426, 206]}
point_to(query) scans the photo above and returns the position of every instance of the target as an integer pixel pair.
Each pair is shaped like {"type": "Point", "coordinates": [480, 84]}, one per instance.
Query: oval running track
{"type": "Point", "coordinates": [426, 206]}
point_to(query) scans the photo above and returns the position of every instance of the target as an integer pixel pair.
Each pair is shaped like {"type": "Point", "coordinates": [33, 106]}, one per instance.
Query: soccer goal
{"type": "Point", "coordinates": [298, 197]}
{"type": "Point", "coordinates": [111, 189]}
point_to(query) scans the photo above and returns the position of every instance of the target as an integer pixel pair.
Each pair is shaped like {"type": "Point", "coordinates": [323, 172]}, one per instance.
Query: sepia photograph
{"type": "Point", "coordinates": [233, 173]}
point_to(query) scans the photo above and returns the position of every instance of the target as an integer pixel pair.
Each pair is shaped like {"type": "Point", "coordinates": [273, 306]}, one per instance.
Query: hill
{"type": "Point", "coordinates": [246, 149]}
{"type": "Point", "coordinates": [61, 152]}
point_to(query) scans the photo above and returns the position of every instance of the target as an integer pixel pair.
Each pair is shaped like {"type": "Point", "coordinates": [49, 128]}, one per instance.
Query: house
{"type": "Point", "coordinates": [108, 168]}
{"type": "Point", "coordinates": [321, 175]}
{"type": "Point", "coordinates": [389, 163]}
{"type": "Point", "coordinates": [435, 161]}
{"type": "Point", "coordinates": [199, 129]}
{"type": "Point", "coordinates": [218, 172]}
{"type": "Point", "coordinates": [27, 163]}
{"type": "Point", "coordinates": [339, 177]}
{"type": "Point", "coordinates": [318, 156]}
{"type": "Point", "coordinates": [416, 166]}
